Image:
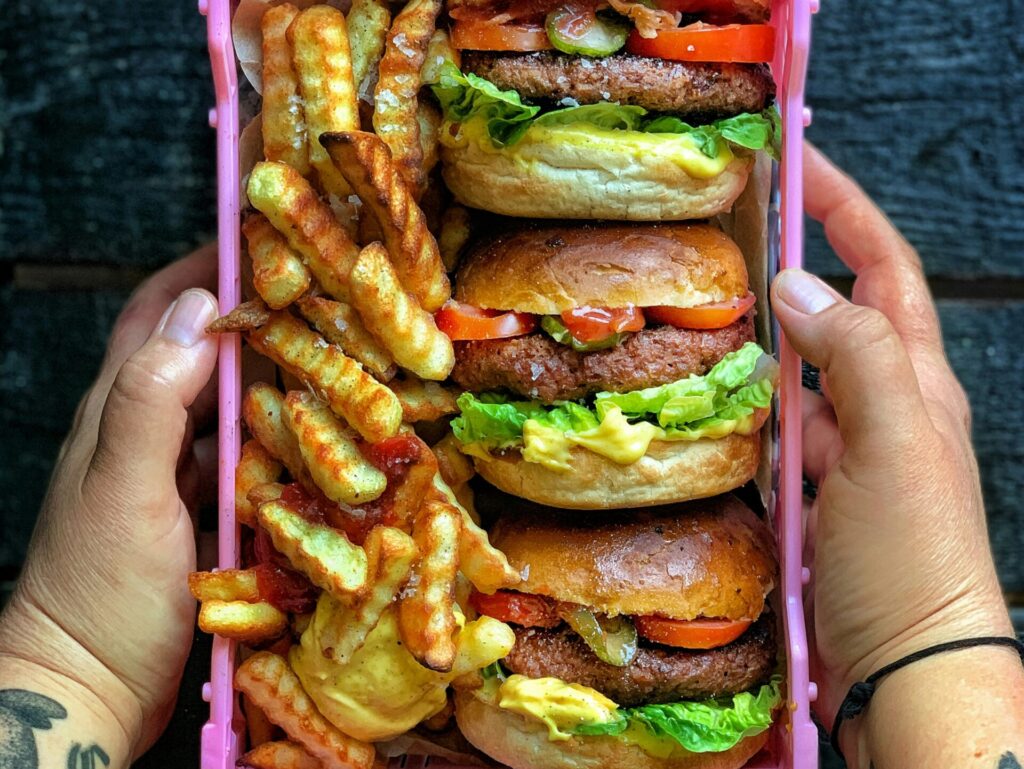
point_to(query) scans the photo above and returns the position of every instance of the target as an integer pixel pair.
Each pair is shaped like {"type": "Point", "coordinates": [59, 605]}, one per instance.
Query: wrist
{"type": "Point", "coordinates": [35, 649]}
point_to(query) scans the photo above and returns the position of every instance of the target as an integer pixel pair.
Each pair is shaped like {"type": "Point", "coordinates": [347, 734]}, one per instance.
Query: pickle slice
{"type": "Point", "coordinates": [576, 28]}
{"type": "Point", "coordinates": [612, 639]}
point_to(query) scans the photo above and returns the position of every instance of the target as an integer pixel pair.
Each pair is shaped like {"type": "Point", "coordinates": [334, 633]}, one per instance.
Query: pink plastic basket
{"type": "Point", "coordinates": [795, 743]}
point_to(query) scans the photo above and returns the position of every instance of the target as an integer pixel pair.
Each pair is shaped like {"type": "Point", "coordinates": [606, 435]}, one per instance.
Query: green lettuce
{"type": "Point", "coordinates": [464, 96]}
{"type": "Point", "coordinates": [742, 382]}
{"type": "Point", "coordinates": [710, 726]}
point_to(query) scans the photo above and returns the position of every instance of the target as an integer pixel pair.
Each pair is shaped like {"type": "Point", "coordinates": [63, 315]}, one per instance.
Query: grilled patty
{"type": "Point", "coordinates": [695, 91]}
{"type": "Point", "coordinates": [536, 366]}
{"type": "Point", "coordinates": [657, 674]}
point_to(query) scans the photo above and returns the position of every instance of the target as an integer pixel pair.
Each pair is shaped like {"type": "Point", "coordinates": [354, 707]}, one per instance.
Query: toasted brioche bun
{"type": "Point", "coordinates": [522, 743]}
{"type": "Point", "coordinates": [712, 558]}
{"type": "Point", "coordinates": [670, 471]}
{"type": "Point", "coordinates": [550, 268]}
{"type": "Point", "coordinates": [597, 179]}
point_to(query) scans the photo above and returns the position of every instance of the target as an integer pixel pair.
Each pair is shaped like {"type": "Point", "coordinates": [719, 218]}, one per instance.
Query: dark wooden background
{"type": "Point", "coordinates": [106, 171]}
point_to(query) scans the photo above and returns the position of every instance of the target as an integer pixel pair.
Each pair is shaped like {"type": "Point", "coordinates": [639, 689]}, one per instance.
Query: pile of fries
{"type": "Point", "coordinates": [346, 273]}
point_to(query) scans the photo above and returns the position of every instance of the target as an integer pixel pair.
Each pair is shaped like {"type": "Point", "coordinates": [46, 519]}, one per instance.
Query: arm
{"type": "Point", "coordinates": [901, 555]}
{"type": "Point", "coordinates": [94, 639]}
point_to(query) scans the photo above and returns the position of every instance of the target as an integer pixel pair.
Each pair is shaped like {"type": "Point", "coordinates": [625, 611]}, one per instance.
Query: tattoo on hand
{"type": "Point", "coordinates": [22, 711]}
{"type": "Point", "coordinates": [1008, 761]}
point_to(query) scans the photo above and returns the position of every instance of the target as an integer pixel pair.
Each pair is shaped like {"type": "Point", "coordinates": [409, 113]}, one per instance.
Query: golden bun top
{"type": "Point", "coordinates": [708, 558]}
{"type": "Point", "coordinates": [547, 269]}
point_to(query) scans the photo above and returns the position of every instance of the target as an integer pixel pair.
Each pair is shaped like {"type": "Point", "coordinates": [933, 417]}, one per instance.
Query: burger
{"type": "Point", "coordinates": [646, 110]}
{"type": "Point", "coordinates": [608, 364]}
{"type": "Point", "coordinates": [641, 640]}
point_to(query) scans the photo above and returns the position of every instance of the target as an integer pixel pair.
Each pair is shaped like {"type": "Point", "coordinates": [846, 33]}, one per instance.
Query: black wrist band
{"type": "Point", "coordinates": [861, 692]}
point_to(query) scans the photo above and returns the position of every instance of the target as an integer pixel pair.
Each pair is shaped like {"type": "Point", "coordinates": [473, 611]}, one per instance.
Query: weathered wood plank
{"type": "Point", "coordinates": [923, 109]}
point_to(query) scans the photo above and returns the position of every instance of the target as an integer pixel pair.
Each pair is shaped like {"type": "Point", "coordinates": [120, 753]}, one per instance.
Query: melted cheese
{"type": "Point", "coordinates": [383, 691]}
{"type": "Point", "coordinates": [546, 446]}
{"type": "Point", "coordinates": [559, 705]}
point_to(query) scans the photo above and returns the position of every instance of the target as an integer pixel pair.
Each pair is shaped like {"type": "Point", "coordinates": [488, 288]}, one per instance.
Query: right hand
{"type": "Point", "coordinates": [901, 557]}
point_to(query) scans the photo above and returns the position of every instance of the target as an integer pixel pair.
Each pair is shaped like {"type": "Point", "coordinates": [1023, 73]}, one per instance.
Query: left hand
{"type": "Point", "coordinates": [102, 599]}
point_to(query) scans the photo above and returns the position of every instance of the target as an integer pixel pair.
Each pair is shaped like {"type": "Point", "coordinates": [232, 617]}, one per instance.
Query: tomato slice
{"type": "Point", "coordinates": [519, 608]}
{"type": "Point", "coordinates": [705, 316]}
{"type": "Point", "coordinates": [486, 35]}
{"type": "Point", "coordinates": [690, 634]}
{"type": "Point", "coordinates": [745, 43]}
{"type": "Point", "coordinates": [592, 324]}
{"type": "Point", "coordinates": [462, 322]}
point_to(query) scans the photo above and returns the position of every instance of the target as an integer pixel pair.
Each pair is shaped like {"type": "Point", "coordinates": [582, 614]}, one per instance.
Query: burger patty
{"type": "Point", "coordinates": [536, 366]}
{"type": "Point", "coordinates": [657, 674]}
{"type": "Point", "coordinates": [697, 91]}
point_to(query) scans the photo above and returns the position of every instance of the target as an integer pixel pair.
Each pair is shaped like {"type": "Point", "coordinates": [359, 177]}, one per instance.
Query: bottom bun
{"type": "Point", "coordinates": [520, 743]}
{"type": "Point", "coordinates": [670, 471]}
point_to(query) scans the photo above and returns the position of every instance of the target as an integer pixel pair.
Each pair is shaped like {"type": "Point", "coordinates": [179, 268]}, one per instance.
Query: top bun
{"type": "Point", "coordinates": [549, 269]}
{"type": "Point", "coordinates": [712, 558]}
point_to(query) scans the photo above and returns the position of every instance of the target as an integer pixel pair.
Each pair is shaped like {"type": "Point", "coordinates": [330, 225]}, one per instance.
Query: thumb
{"type": "Point", "coordinates": [872, 382]}
{"type": "Point", "coordinates": [143, 421]}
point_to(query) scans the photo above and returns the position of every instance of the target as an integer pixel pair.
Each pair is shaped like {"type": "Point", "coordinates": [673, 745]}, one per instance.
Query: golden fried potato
{"type": "Point", "coordinates": [366, 162]}
{"type": "Point", "coordinates": [278, 274]}
{"type": "Point", "coordinates": [256, 467]}
{"type": "Point", "coordinates": [391, 553]}
{"type": "Point", "coordinates": [455, 467]}
{"type": "Point", "coordinates": [367, 405]}
{"type": "Point", "coordinates": [323, 62]}
{"type": "Point", "coordinates": [279, 755]}
{"type": "Point", "coordinates": [415, 485]}
{"type": "Point", "coordinates": [263, 412]}
{"type": "Point", "coordinates": [429, 119]}
{"type": "Point", "coordinates": [268, 680]}
{"type": "Point", "coordinates": [245, 317]}
{"type": "Point", "coordinates": [455, 233]}
{"type": "Point", "coordinates": [368, 22]}
{"type": "Point", "coordinates": [402, 326]}
{"type": "Point", "coordinates": [226, 585]}
{"type": "Point", "coordinates": [482, 563]}
{"type": "Point", "coordinates": [319, 551]}
{"type": "Point", "coordinates": [423, 401]}
{"type": "Point", "coordinates": [337, 465]}
{"type": "Point", "coordinates": [426, 615]}
{"type": "Point", "coordinates": [250, 623]}
{"type": "Point", "coordinates": [439, 51]}
{"type": "Point", "coordinates": [396, 97]}
{"type": "Point", "coordinates": [340, 324]}
{"type": "Point", "coordinates": [265, 492]}
{"type": "Point", "coordinates": [283, 121]}
{"type": "Point", "coordinates": [309, 225]}
{"type": "Point", "coordinates": [257, 724]}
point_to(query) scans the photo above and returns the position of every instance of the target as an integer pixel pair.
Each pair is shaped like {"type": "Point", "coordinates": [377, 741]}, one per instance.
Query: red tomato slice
{"type": "Point", "coordinates": [746, 43]}
{"type": "Point", "coordinates": [519, 608]}
{"type": "Point", "coordinates": [705, 316]}
{"type": "Point", "coordinates": [592, 324]}
{"type": "Point", "coordinates": [480, 35]}
{"type": "Point", "coordinates": [690, 634]}
{"type": "Point", "coordinates": [463, 322]}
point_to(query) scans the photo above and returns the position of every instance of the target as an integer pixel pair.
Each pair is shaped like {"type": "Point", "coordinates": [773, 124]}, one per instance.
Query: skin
{"type": "Point", "coordinates": [94, 646]}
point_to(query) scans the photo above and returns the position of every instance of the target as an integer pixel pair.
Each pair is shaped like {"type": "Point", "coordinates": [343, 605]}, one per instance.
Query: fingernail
{"type": "Point", "coordinates": [804, 292]}
{"type": "Point", "coordinates": [187, 319]}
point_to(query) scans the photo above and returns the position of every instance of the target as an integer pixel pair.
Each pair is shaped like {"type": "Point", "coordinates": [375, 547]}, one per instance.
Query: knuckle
{"type": "Point", "coordinates": [865, 329]}
{"type": "Point", "coordinates": [138, 381]}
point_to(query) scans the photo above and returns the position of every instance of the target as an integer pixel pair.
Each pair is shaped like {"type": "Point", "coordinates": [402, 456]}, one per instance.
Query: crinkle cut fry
{"type": "Point", "coordinates": [294, 208]}
{"type": "Point", "coordinates": [366, 162]}
{"type": "Point", "coordinates": [263, 412]}
{"type": "Point", "coordinates": [245, 317]}
{"type": "Point", "coordinates": [272, 685]}
{"type": "Point", "coordinates": [279, 275]}
{"type": "Point", "coordinates": [250, 623]}
{"type": "Point", "coordinates": [282, 754]}
{"type": "Point", "coordinates": [424, 401]}
{"type": "Point", "coordinates": [402, 326]}
{"type": "Point", "coordinates": [367, 405]}
{"type": "Point", "coordinates": [340, 324]}
{"type": "Point", "coordinates": [283, 122]}
{"type": "Point", "coordinates": [396, 97]}
{"type": "Point", "coordinates": [426, 616]}
{"type": "Point", "coordinates": [323, 62]}
{"type": "Point", "coordinates": [256, 466]}
{"type": "Point", "coordinates": [368, 22]}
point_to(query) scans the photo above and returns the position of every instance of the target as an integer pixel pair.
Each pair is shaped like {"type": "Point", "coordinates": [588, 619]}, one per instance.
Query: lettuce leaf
{"type": "Point", "coordinates": [465, 96]}
{"type": "Point", "coordinates": [742, 382]}
{"type": "Point", "coordinates": [711, 726]}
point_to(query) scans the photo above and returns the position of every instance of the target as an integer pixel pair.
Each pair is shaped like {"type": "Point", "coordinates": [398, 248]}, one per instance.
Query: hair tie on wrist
{"type": "Point", "coordinates": [861, 692]}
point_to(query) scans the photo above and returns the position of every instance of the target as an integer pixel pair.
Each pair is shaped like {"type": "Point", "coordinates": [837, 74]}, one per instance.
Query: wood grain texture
{"type": "Point", "coordinates": [923, 108]}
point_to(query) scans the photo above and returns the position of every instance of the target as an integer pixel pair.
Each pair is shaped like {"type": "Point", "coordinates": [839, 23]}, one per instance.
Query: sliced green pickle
{"type": "Point", "coordinates": [612, 639]}
{"type": "Point", "coordinates": [577, 29]}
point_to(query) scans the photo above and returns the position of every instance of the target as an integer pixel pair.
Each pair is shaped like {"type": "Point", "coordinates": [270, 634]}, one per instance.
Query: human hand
{"type": "Point", "coordinates": [901, 557]}
{"type": "Point", "coordinates": [102, 598]}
